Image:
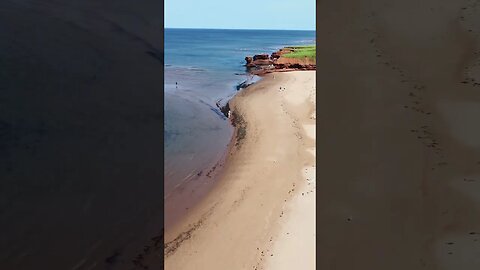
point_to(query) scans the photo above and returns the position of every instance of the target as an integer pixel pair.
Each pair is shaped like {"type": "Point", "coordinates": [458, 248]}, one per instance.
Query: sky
{"type": "Point", "coordinates": [243, 14]}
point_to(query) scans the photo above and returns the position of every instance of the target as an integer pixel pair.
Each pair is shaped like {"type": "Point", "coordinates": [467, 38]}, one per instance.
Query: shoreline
{"type": "Point", "coordinates": [225, 212]}
{"type": "Point", "coordinates": [198, 187]}
{"type": "Point", "coordinates": [204, 181]}
{"type": "Point", "coordinates": [256, 68]}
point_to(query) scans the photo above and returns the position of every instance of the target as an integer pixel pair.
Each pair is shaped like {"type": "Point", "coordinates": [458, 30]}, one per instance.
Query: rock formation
{"type": "Point", "coordinates": [263, 63]}
{"type": "Point", "coordinates": [261, 57]}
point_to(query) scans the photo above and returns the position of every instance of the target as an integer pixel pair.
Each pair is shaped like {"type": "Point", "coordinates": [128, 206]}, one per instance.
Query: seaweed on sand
{"type": "Point", "coordinates": [241, 127]}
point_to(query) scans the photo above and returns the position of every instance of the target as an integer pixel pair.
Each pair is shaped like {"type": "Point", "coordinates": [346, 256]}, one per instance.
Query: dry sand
{"type": "Point", "coordinates": [261, 213]}
{"type": "Point", "coordinates": [399, 156]}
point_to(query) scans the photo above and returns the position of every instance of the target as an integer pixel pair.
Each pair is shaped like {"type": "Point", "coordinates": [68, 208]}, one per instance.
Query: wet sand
{"type": "Point", "coordinates": [399, 157]}
{"type": "Point", "coordinates": [180, 201]}
{"type": "Point", "coordinates": [263, 191]}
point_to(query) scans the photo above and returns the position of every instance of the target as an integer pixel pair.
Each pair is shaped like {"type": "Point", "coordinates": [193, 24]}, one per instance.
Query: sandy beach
{"type": "Point", "coordinates": [398, 139]}
{"type": "Point", "coordinates": [261, 212]}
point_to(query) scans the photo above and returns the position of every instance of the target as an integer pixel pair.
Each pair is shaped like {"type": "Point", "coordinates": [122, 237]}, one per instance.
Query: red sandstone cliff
{"type": "Point", "coordinates": [264, 63]}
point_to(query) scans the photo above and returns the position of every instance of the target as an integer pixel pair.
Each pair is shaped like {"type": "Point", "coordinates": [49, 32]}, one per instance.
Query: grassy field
{"type": "Point", "coordinates": [302, 51]}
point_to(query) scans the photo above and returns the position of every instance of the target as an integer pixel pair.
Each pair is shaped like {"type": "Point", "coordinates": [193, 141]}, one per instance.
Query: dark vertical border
{"type": "Point", "coordinates": [162, 48]}
{"type": "Point", "coordinates": [317, 117]}
{"type": "Point", "coordinates": [81, 134]}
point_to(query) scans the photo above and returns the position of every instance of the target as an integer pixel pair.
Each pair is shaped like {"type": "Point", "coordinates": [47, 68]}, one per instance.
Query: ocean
{"type": "Point", "coordinates": [203, 67]}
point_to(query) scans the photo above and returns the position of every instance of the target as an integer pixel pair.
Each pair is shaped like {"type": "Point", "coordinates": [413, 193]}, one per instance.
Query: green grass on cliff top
{"type": "Point", "coordinates": [302, 51]}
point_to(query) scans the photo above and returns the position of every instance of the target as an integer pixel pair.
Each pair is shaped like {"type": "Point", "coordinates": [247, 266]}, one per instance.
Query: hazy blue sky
{"type": "Point", "coordinates": [243, 14]}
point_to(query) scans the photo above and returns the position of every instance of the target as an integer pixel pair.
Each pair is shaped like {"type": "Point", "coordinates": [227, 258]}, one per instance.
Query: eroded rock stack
{"type": "Point", "coordinates": [259, 60]}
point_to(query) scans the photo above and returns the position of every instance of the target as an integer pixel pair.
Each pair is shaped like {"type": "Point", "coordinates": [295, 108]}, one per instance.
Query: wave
{"type": "Point", "coordinates": [184, 68]}
{"type": "Point", "coordinates": [305, 41]}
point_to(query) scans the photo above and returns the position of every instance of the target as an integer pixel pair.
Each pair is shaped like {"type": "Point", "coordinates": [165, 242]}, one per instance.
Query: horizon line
{"type": "Point", "coordinates": [199, 28]}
